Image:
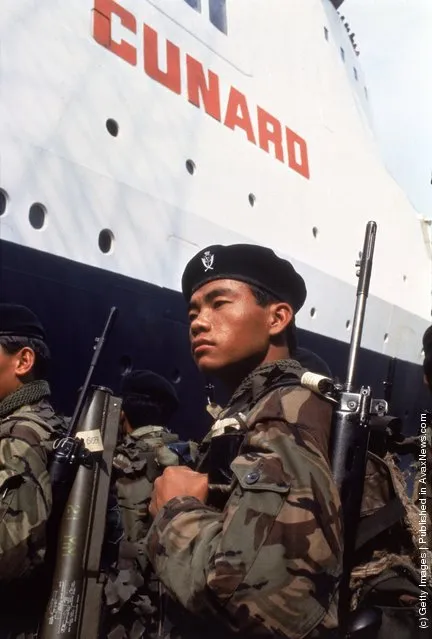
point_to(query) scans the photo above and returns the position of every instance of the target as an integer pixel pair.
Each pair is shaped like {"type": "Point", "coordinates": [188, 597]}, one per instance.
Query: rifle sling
{"type": "Point", "coordinates": [384, 518]}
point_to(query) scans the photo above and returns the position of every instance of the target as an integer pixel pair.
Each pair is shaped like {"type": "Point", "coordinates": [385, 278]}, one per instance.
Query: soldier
{"type": "Point", "coordinates": [149, 401]}
{"type": "Point", "coordinates": [267, 563]}
{"type": "Point", "coordinates": [414, 445]}
{"type": "Point", "coordinates": [28, 426]}
{"type": "Point", "coordinates": [391, 551]}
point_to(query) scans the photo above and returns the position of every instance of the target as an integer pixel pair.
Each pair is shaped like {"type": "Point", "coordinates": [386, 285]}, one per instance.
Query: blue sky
{"type": "Point", "coordinates": [394, 38]}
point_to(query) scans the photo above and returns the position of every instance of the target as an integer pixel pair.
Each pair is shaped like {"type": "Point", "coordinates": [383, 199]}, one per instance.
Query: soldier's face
{"type": "Point", "coordinates": [227, 327]}
{"type": "Point", "coordinates": [12, 367]}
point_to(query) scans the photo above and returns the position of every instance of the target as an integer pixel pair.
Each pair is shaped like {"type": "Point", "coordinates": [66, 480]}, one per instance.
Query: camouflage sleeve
{"type": "Point", "coordinates": [273, 557]}
{"type": "Point", "coordinates": [25, 504]}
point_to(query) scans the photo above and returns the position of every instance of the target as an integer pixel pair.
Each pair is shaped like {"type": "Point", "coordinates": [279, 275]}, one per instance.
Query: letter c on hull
{"type": "Point", "coordinates": [102, 18]}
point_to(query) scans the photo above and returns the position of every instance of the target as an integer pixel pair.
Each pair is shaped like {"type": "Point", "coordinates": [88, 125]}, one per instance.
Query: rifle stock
{"type": "Point", "coordinates": [73, 611]}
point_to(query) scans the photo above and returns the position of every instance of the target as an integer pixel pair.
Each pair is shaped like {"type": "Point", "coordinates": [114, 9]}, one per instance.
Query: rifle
{"type": "Point", "coordinates": [349, 446]}
{"type": "Point", "coordinates": [81, 473]}
{"type": "Point", "coordinates": [69, 451]}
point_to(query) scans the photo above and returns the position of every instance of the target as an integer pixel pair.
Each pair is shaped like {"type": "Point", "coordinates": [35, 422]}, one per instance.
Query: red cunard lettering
{"type": "Point", "coordinates": [272, 134]}
{"type": "Point", "coordinates": [171, 78]}
{"type": "Point", "coordinates": [102, 18]}
{"type": "Point", "coordinates": [237, 114]}
{"type": "Point", "coordinates": [203, 89]}
{"type": "Point", "coordinates": [297, 146]}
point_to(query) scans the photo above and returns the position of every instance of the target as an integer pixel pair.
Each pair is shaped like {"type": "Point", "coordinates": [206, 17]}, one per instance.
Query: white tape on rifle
{"type": "Point", "coordinates": [92, 440]}
{"type": "Point", "coordinates": [316, 383]}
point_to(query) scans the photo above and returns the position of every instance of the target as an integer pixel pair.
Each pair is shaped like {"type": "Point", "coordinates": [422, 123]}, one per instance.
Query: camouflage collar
{"type": "Point", "coordinates": [262, 380]}
{"type": "Point", "coordinates": [28, 394]}
{"type": "Point", "coordinates": [145, 431]}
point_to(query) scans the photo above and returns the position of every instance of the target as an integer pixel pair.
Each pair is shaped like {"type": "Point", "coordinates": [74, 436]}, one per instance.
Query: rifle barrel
{"type": "Point", "coordinates": [100, 341]}
{"type": "Point", "coordinates": [360, 308]}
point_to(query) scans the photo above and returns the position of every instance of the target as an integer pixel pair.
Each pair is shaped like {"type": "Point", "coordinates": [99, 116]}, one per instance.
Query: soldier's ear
{"type": "Point", "coordinates": [24, 361]}
{"type": "Point", "coordinates": [280, 316]}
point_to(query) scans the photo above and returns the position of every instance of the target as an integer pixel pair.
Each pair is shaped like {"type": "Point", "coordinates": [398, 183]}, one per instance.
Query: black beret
{"type": "Point", "coordinates": [427, 342]}
{"type": "Point", "coordinates": [249, 263]}
{"type": "Point", "coordinates": [20, 321]}
{"type": "Point", "coordinates": [149, 383]}
{"type": "Point", "coordinates": [312, 362]}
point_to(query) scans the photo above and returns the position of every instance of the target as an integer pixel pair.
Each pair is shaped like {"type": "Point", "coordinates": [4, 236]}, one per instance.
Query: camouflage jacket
{"type": "Point", "coordinates": [270, 562]}
{"type": "Point", "coordinates": [25, 491]}
{"type": "Point", "coordinates": [28, 427]}
{"type": "Point", "coordinates": [138, 460]}
{"type": "Point", "coordinates": [132, 591]}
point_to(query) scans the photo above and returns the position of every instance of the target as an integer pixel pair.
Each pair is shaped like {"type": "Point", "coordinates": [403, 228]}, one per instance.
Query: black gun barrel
{"type": "Point", "coordinates": [68, 451]}
{"type": "Point", "coordinates": [100, 341]}
{"type": "Point", "coordinates": [362, 295]}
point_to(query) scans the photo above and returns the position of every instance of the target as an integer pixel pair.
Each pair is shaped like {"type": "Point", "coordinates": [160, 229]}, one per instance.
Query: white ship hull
{"type": "Point", "coordinates": [260, 134]}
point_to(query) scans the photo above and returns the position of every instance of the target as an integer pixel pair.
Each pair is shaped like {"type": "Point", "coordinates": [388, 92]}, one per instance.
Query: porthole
{"type": "Point", "coordinates": [190, 166]}
{"type": "Point", "coordinates": [386, 338]}
{"type": "Point", "coordinates": [326, 33]}
{"type": "Point", "coordinates": [3, 201]}
{"type": "Point", "coordinates": [312, 311]}
{"type": "Point", "coordinates": [404, 277]}
{"type": "Point", "coordinates": [106, 241]}
{"type": "Point", "coordinates": [348, 324]}
{"type": "Point", "coordinates": [112, 127]}
{"type": "Point", "coordinates": [252, 199]}
{"type": "Point", "coordinates": [37, 216]}
{"type": "Point", "coordinates": [315, 232]}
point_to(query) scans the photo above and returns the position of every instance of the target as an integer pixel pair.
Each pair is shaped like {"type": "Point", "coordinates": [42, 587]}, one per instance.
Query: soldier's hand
{"type": "Point", "coordinates": [177, 481]}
